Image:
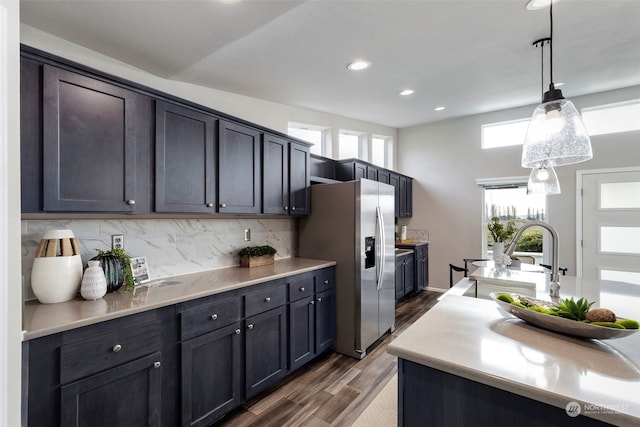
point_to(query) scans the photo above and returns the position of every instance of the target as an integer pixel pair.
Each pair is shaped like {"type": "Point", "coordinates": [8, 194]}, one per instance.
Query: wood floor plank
{"type": "Point", "coordinates": [334, 390]}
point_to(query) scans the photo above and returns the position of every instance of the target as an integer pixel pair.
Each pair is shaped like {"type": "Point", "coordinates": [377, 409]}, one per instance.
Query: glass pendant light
{"type": "Point", "coordinates": [543, 180]}
{"type": "Point", "coordinates": [556, 135]}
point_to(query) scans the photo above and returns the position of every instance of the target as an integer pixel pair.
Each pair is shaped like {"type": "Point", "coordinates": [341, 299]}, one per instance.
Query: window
{"type": "Point", "coordinates": [612, 118]}
{"type": "Point", "coordinates": [309, 133]}
{"type": "Point", "coordinates": [504, 134]}
{"type": "Point", "coordinates": [381, 151]}
{"type": "Point", "coordinates": [349, 145]}
{"type": "Point", "coordinates": [512, 203]}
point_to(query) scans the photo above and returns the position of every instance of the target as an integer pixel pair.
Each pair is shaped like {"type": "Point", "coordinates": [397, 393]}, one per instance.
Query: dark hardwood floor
{"type": "Point", "coordinates": [334, 390]}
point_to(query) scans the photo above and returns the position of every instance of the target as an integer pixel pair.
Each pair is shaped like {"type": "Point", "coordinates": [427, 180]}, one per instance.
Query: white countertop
{"type": "Point", "coordinates": [45, 319]}
{"type": "Point", "coordinates": [475, 339]}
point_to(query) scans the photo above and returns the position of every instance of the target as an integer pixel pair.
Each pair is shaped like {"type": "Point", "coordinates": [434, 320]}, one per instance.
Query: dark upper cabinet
{"type": "Point", "coordinates": [372, 173]}
{"type": "Point", "coordinates": [384, 175]}
{"type": "Point", "coordinates": [299, 193]}
{"type": "Point", "coordinates": [185, 159]}
{"type": "Point", "coordinates": [405, 197]}
{"type": "Point", "coordinates": [394, 180]}
{"type": "Point", "coordinates": [275, 175]}
{"type": "Point", "coordinates": [239, 169]}
{"type": "Point", "coordinates": [89, 144]}
{"type": "Point", "coordinates": [350, 170]}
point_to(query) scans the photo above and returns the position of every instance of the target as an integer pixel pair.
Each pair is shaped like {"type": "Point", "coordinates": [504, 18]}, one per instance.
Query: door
{"type": "Point", "coordinates": [98, 400]}
{"type": "Point", "coordinates": [211, 375]}
{"type": "Point", "coordinates": [301, 332]}
{"type": "Point", "coordinates": [325, 321]}
{"type": "Point", "coordinates": [89, 144]}
{"type": "Point", "coordinates": [239, 180]}
{"type": "Point", "coordinates": [299, 161]}
{"type": "Point", "coordinates": [275, 175]}
{"type": "Point", "coordinates": [185, 177]}
{"type": "Point", "coordinates": [611, 226]}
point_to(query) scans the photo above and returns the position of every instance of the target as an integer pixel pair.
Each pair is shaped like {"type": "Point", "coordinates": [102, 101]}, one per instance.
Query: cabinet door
{"type": "Point", "coordinates": [266, 350]}
{"type": "Point", "coordinates": [301, 332]}
{"type": "Point", "coordinates": [409, 199]}
{"type": "Point", "coordinates": [409, 275]}
{"type": "Point", "coordinates": [299, 179]}
{"type": "Point", "coordinates": [402, 196]}
{"type": "Point", "coordinates": [239, 169]}
{"type": "Point", "coordinates": [372, 173]}
{"type": "Point", "coordinates": [325, 321]}
{"type": "Point", "coordinates": [275, 175]}
{"type": "Point", "coordinates": [359, 171]}
{"type": "Point", "coordinates": [128, 395]}
{"type": "Point", "coordinates": [185, 176]}
{"type": "Point", "coordinates": [211, 375]}
{"type": "Point", "coordinates": [400, 264]}
{"type": "Point", "coordinates": [89, 138]}
{"type": "Point", "coordinates": [384, 176]}
{"type": "Point", "coordinates": [394, 180]}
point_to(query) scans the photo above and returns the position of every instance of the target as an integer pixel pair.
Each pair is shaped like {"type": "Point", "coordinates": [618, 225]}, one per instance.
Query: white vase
{"type": "Point", "coordinates": [94, 283]}
{"type": "Point", "coordinates": [498, 251]}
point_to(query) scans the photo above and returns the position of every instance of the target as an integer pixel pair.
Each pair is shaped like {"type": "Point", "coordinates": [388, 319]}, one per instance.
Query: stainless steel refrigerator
{"type": "Point", "coordinates": [353, 223]}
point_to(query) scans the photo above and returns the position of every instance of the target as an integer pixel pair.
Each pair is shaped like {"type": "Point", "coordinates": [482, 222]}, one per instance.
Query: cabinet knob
{"type": "Point", "coordinates": [267, 299]}
{"type": "Point", "coordinates": [156, 365]}
{"type": "Point", "coordinates": [326, 282]}
{"type": "Point", "coordinates": [250, 326]}
{"type": "Point", "coordinates": [302, 289]}
{"type": "Point", "coordinates": [238, 331]}
{"type": "Point", "coordinates": [223, 205]}
{"type": "Point", "coordinates": [131, 202]}
{"type": "Point", "coordinates": [209, 205]}
{"type": "Point", "coordinates": [312, 302]}
{"type": "Point", "coordinates": [214, 316]}
{"type": "Point", "coordinates": [293, 208]}
{"type": "Point", "coordinates": [319, 299]}
{"type": "Point", "coordinates": [116, 348]}
{"type": "Point", "coordinates": [286, 208]}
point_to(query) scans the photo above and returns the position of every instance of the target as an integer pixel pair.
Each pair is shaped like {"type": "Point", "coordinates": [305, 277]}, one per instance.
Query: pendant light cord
{"type": "Point", "coordinates": [551, 45]}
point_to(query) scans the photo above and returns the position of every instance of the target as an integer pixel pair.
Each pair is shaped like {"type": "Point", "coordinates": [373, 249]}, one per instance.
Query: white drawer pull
{"type": "Point", "coordinates": [267, 299]}
{"type": "Point", "coordinates": [214, 316]}
{"type": "Point", "coordinates": [116, 348]}
{"type": "Point", "coordinates": [157, 364]}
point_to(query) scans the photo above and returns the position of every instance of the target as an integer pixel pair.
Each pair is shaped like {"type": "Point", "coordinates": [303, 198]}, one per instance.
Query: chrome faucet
{"type": "Point", "coordinates": [554, 280]}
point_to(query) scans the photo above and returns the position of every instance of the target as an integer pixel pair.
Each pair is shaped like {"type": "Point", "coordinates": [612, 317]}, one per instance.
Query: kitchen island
{"type": "Point", "coordinates": [490, 368]}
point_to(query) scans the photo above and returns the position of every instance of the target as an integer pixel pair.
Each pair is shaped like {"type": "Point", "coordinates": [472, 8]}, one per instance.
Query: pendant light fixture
{"type": "Point", "coordinates": [556, 135]}
{"type": "Point", "coordinates": [543, 180]}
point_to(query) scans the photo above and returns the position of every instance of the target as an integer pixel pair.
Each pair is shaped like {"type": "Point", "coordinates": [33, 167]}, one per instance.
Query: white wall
{"type": "Point", "coordinates": [445, 159]}
{"type": "Point", "coordinates": [10, 289]}
{"type": "Point", "coordinates": [269, 114]}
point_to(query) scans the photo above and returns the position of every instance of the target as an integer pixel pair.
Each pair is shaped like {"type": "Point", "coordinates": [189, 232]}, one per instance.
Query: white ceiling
{"type": "Point", "coordinates": [472, 56]}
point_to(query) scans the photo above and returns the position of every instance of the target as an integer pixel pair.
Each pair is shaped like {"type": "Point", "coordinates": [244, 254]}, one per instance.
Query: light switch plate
{"type": "Point", "coordinates": [247, 234]}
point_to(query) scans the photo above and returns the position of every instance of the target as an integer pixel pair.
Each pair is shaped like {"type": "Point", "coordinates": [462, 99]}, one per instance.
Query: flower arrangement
{"type": "Point", "coordinates": [499, 232]}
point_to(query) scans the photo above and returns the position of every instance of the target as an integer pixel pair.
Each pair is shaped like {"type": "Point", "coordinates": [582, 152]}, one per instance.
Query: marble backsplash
{"type": "Point", "coordinates": [172, 246]}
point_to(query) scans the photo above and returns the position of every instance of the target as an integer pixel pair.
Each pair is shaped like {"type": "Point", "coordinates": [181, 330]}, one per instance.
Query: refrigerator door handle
{"type": "Point", "coordinates": [381, 254]}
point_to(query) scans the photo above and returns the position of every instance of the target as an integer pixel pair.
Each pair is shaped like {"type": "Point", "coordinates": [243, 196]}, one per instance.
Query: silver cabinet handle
{"type": "Point", "coordinates": [156, 365]}
{"type": "Point", "coordinates": [131, 202]}
{"type": "Point", "coordinates": [238, 331]}
{"type": "Point", "coordinates": [326, 282]}
{"type": "Point", "coordinates": [286, 208]}
{"type": "Point", "coordinates": [223, 205]}
{"type": "Point", "coordinates": [302, 289]}
{"type": "Point", "coordinates": [116, 348]}
{"type": "Point", "coordinates": [267, 299]}
{"type": "Point", "coordinates": [319, 299]}
{"type": "Point", "coordinates": [209, 205]}
{"type": "Point", "coordinates": [250, 326]}
{"type": "Point", "coordinates": [312, 302]}
{"type": "Point", "coordinates": [293, 208]}
{"type": "Point", "coordinates": [214, 316]}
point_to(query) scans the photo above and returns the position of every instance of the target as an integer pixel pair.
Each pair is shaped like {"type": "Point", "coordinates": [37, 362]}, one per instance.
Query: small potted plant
{"type": "Point", "coordinates": [500, 235]}
{"type": "Point", "coordinates": [255, 256]}
{"type": "Point", "coordinates": [116, 264]}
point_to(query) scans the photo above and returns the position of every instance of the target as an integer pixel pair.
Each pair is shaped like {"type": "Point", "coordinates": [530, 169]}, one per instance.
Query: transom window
{"type": "Point", "coordinates": [349, 145]}
{"type": "Point", "coordinates": [313, 134]}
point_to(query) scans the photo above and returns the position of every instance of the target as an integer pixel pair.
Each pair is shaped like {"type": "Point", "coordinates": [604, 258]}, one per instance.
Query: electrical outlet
{"type": "Point", "coordinates": [117, 241]}
{"type": "Point", "coordinates": [247, 234]}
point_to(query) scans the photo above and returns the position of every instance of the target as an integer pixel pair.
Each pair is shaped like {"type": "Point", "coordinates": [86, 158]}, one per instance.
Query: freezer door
{"type": "Point", "coordinates": [386, 294]}
{"type": "Point", "coordinates": [366, 328]}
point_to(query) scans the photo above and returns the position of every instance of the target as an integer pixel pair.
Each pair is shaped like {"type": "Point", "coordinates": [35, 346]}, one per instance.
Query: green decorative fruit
{"type": "Point", "coordinates": [628, 323]}
{"type": "Point", "coordinates": [613, 325]}
{"type": "Point", "coordinates": [505, 297]}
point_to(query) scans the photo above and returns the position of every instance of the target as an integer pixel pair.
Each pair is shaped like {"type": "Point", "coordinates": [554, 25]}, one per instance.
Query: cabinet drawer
{"type": "Point", "coordinates": [301, 286]}
{"type": "Point", "coordinates": [106, 351]}
{"type": "Point", "coordinates": [263, 299]}
{"type": "Point", "coordinates": [208, 316]}
{"type": "Point", "coordinates": [325, 279]}
{"type": "Point", "coordinates": [421, 251]}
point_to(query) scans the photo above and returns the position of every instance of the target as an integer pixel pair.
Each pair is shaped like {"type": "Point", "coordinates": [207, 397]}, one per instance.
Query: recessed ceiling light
{"type": "Point", "coordinates": [359, 65]}
{"type": "Point", "coordinates": [539, 4]}
{"type": "Point", "coordinates": [406, 92]}
{"type": "Point", "coordinates": [439, 108]}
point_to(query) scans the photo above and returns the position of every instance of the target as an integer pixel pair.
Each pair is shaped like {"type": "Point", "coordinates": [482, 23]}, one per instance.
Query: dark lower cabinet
{"type": "Point", "coordinates": [266, 350]}
{"type": "Point", "coordinates": [239, 169]}
{"type": "Point", "coordinates": [127, 395]}
{"type": "Point", "coordinates": [211, 375]}
{"type": "Point", "coordinates": [421, 264]}
{"type": "Point", "coordinates": [88, 144]}
{"type": "Point", "coordinates": [325, 321]}
{"type": "Point", "coordinates": [405, 280]}
{"type": "Point", "coordinates": [302, 329]}
{"type": "Point", "coordinates": [185, 168]}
